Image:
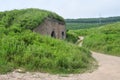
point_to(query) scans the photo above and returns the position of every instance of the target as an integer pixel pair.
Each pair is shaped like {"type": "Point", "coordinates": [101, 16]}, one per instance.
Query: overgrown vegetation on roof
{"type": "Point", "coordinates": [26, 18]}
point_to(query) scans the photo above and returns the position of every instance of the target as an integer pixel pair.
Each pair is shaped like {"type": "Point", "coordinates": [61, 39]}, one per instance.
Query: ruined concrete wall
{"type": "Point", "coordinates": [52, 28]}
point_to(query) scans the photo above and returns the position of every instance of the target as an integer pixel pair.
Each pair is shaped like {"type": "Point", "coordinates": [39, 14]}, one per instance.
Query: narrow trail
{"type": "Point", "coordinates": [80, 41]}
{"type": "Point", "coordinates": [109, 69]}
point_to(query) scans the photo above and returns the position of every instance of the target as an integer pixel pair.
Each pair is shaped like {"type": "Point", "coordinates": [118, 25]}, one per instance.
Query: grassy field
{"type": "Point", "coordinates": [105, 39]}
{"type": "Point", "coordinates": [22, 48]}
{"type": "Point", "coordinates": [86, 23]}
{"type": "Point", "coordinates": [75, 26]}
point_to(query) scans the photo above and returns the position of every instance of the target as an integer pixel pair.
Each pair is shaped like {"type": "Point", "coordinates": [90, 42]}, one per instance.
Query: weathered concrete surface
{"type": "Point", "coordinates": [50, 26]}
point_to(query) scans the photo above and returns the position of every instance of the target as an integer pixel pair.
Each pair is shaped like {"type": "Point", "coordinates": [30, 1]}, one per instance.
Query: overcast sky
{"type": "Point", "coordinates": [68, 8]}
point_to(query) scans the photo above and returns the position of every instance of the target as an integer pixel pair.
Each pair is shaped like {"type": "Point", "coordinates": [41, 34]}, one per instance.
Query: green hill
{"type": "Point", "coordinates": [105, 39]}
{"type": "Point", "coordinates": [26, 18]}
{"type": "Point", "coordinates": [94, 20]}
{"type": "Point", "coordinates": [22, 48]}
{"type": "Point", "coordinates": [85, 23]}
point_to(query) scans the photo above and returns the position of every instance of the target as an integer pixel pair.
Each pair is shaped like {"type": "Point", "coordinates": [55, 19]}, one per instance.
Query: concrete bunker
{"type": "Point", "coordinates": [53, 28]}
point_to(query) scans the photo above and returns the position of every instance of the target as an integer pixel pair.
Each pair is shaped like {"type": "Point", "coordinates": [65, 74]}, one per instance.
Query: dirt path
{"type": "Point", "coordinates": [109, 69]}
{"type": "Point", "coordinates": [80, 41]}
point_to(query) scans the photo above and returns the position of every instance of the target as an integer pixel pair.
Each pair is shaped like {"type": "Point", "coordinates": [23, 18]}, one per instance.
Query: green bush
{"type": "Point", "coordinates": [71, 37]}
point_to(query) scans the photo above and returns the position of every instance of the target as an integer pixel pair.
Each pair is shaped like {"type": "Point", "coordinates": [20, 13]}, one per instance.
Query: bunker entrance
{"type": "Point", "coordinates": [53, 34]}
{"type": "Point", "coordinates": [63, 34]}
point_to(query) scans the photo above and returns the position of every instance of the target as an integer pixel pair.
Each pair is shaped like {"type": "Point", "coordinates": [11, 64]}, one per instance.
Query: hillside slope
{"type": "Point", "coordinates": [105, 39]}
{"type": "Point", "coordinates": [85, 23]}
{"type": "Point", "coordinates": [22, 48]}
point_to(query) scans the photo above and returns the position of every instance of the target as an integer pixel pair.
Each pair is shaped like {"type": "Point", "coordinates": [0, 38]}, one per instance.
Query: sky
{"type": "Point", "coordinates": [68, 8]}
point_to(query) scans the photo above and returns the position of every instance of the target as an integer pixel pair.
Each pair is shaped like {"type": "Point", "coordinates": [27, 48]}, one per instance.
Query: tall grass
{"type": "Point", "coordinates": [39, 53]}
{"type": "Point", "coordinates": [105, 39]}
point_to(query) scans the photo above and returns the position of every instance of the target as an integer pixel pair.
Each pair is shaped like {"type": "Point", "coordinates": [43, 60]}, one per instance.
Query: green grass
{"type": "Point", "coordinates": [39, 53]}
{"type": "Point", "coordinates": [75, 26]}
{"type": "Point", "coordinates": [27, 18]}
{"type": "Point", "coordinates": [105, 39]}
{"type": "Point", "coordinates": [20, 47]}
{"type": "Point", "coordinates": [85, 23]}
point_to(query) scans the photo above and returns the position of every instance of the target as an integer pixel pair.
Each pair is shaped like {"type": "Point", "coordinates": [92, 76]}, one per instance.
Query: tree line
{"type": "Point", "coordinates": [94, 20]}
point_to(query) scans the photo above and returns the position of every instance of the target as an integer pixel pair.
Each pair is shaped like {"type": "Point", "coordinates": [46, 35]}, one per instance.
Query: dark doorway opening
{"type": "Point", "coordinates": [63, 34]}
{"type": "Point", "coordinates": [53, 34]}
